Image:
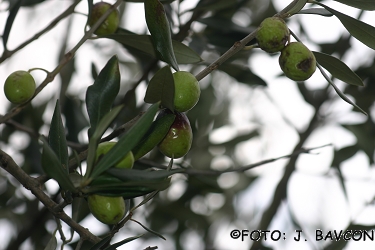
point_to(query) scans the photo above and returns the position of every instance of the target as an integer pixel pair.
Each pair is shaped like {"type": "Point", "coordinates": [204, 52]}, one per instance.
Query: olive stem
{"type": "Point", "coordinates": [33, 69]}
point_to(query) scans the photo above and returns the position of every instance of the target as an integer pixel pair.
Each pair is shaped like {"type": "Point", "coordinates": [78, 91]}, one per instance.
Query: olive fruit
{"type": "Point", "coordinates": [19, 87]}
{"type": "Point", "coordinates": [178, 140]}
{"type": "Point", "coordinates": [273, 34]}
{"type": "Point", "coordinates": [297, 61]}
{"type": "Point", "coordinates": [110, 25]}
{"type": "Point", "coordinates": [109, 210]}
{"type": "Point", "coordinates": [187, 91]}
{"type": "Point", "coordinates": [126, 162]}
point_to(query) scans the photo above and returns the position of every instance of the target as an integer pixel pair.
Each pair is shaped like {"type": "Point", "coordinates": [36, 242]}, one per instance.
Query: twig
{"type": "Point", "coordinates": [192, 171]}
{"type": "Point", "coordinates": [237, 46]}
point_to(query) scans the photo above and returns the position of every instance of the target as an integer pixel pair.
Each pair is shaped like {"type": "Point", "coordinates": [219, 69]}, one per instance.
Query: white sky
{"type": "Point", "coordinates": [314, 194]}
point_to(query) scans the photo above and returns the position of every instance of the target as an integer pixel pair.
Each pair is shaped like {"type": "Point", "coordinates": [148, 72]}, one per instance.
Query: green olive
{"type": "Point", "coordinates": [109, 210]}
{"type": "Point", "coordinates": [19, 87]}
{"type": "Point", "coordinates": [126, 162]}
{"type": "Point", "coordinates": [273, 34]}
{"type": "Point", "coordinates": [177, 142]}
{"type": "Point", "coordinates": [187, 91]}
{"type": "Point", "coordinates": [110, 25]}
{"type": "Point", "coordinates": [297, 61]}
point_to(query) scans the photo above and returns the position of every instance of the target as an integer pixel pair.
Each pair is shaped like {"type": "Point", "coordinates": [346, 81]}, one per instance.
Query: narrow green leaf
{"type": "Point", "coordinates": [8, 25]}
{"type": "Point", "coordinates": [53, 168]}
{"type": "Point", "coordinates": [128, 189]}
{"type": "Point", "coordinates": [338, 91]}
{"type": "Point", "coordinates": [158, 25]}
{"type": "Point", "coordinates": [90, 3]}
{"type": "Point", "coordinates": [364, 32]}
{"type": "Point", "coordinates": [52, 243]}
{"type": "Point", "coordinates": [345, 98]}
{"type": "Point", "coordinates": [242, 74]}
{"type": "Point", "coordinates": [101, 95]}
{"type": "Point", "coordinates": [214, 5]}
{"type": "Point", "coordinates": [295, 6]}
{"type": "Point", "coordinates": [94, 140]}
{"type": "Point", "coordinates": [120, 243]}
{"type": "Point", "coordinates": [126, 142]}
{"type": "Point", "coordinates": [154, 135]}
{"type": "Point", "coordinates": [57, 139]}
{"type": "Point", "coordinates": [149, 230]}
{"type": "Point", "coordinates": [94, 71]}
{"type": "Point", "coordinates": [161, 89]}
{"type": "Point", "coordinates": [360, 4]}
{"type": "Point", "coordinates": [183, 53]}
{"type": "Point", "coordinates": [101, 243]}
{"type": "Point", "coordinates": [135, 174]}
{"type": "Point", "coordinates": [316, 11]}
{"type": "Point", "coordinates": [338, 69]}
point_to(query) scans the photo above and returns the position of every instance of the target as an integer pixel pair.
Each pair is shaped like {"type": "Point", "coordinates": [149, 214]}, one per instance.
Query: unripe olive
{"type": "Point", "coordinates": [187, 91]}
{"type": "Point", "coordinates": [110, 25]}
{"type": "Point", "coordinates": [273, 34]}
{"type": "Point", "coordinates": [177, 142]}
{"type": "Point", "coordinates": [126, 162]}
{"type": "Point", "coordinates": [19, 87]}
{"type": "Point", "coordinates": [109, 210]}
{"type": "Point", "coordinates": [297, 61]}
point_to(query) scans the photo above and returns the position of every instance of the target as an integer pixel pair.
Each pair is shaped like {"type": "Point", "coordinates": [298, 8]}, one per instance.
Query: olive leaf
{"type": "Point", "coordinates": [53, 168]}
{"type": "Point", "coordinates": [360, 4]}
{"type": "Point", "coordinates": [95, 138]}
{"type": "Point", "coordinates": [120, 243]}
{"type": "Point", "coordinates": [242, 74]}
{"type": "Point", "coordinates": [364, 32]}
{"type": "Point", "coordinates": [127, 189]}
{"type": "Point", "coordinates": [183, 53]}
{"type": "Point", "coordinates": [8, 25]}
{"type": "Point", "coordinates": [136, 174]}
{"type": "Point", "coordinates": [338, 91]}
{"type": "Point", "coordinates": [338, 69]}
{"type": "Point", "coordinates": [101, 243]}
{"type": "Point", "coordinates": [56, 137]}
{"type": "Point", "coordinates": [161, 88]}
{"type": "Point", "coordinates": [158, 25]}
{"type": "Point", "coordinates": [150, 230]}
{"type": "Point", "coordinates": [154, 135]}
{"type": "Point", "coordinates": [52, 243]}
{"type": "Point", "coordinates": [316, 11]}
{"type": "Point", "coordinates": [101, 95]}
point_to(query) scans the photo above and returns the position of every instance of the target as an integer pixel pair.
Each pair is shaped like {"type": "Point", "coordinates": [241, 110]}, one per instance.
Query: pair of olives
{"type": "Point", "coordinates": [296, 60]}
{"type": "Point", "coordinates": [109, 210]}
{"type": "Point", "coordinates": [177, 142]}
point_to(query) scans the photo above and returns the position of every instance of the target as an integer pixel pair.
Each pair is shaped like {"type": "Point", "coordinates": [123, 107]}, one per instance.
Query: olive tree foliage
{"type": "Point", "coordinates": [194, 197]}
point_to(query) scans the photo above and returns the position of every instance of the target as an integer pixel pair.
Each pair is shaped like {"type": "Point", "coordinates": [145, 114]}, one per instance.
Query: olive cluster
{"type": "Point", "coordinates": [178, 140]}
{"type": "Point", "coordinates": [296, 60]}
{"type": "Point", "coordinates": [107, 209]}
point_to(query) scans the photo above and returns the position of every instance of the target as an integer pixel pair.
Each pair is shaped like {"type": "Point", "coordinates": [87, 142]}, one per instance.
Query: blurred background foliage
{"type": "Point", "coordinates": [195, 210]}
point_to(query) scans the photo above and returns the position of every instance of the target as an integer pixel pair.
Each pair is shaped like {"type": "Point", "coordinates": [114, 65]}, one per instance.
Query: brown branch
{"type": "Point", "coordinates": [8, 164]}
